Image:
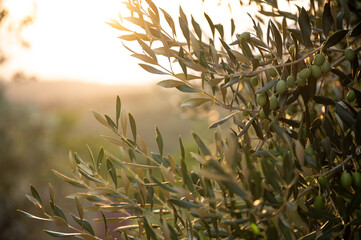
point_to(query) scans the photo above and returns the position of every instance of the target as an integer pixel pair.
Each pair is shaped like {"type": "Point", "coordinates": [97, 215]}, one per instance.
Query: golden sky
{"type": "Point", "coordinates": [69, 39]}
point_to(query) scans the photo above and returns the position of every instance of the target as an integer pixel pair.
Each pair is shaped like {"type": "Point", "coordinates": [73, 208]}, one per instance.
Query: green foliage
{"type": "Point", "coordinates": [258, 178]}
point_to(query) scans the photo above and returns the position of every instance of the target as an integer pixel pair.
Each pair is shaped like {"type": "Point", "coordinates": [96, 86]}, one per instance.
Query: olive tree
{"type": "Point", "coordinates": [287, 164]}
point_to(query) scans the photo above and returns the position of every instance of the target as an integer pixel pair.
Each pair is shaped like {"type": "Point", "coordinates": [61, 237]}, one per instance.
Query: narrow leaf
{"type": "Point", "coordinates": [151, 69]}
{"type": "Point", "coordinates": [195, 102]}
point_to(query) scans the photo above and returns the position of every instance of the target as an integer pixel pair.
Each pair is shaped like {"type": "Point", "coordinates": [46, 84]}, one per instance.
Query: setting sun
{"type": "Point", "coordinates": [70, 40]}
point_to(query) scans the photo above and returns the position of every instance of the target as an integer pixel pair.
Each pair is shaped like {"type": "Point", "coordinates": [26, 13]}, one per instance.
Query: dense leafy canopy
{"type": "Point", "coordinates": [282, 169]}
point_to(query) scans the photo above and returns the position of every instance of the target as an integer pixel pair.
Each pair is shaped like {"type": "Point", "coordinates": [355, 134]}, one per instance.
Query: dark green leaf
{"type": "Point", "coordinates": [149, 231]}
{"type": "Point", "coordinates": [112, 172]}
{"type": "Point", "coordinates": [334, 38]}
{"type": "Point", "coordinates": [248, 125]}
{"type": "Point", "coordinates": [220, 30]}
{"type": "Point", "coordinates": [133, 126]}
{"type": "Point", "coordinates": [345, 115]}
{"type": "Point", "coordinates": [159, 139]}
{"type": "Point", "coordinates": [278, 39]}
{"type": "Point", "coordinates": [323, 100]}
{"type": "Point", "coordinates": [205, 151]}
{"type": "Point", "coordinates": [355, 202]}
{"type": "Point", "coordinates": [186, 177]}
{"type": "Point", "coordinates": [221, 121]}
{"type": "Point", "coordinates": [84, 224]}
{"type": "Point", "coordinates": [35, 194]}
{"type": "Point", "coordinates": [356, 31]}
{"type": "Point", "coordinates": [305, 26]}
{"type": "Point", "coordinates": [163, 185]}
{"type": "Point", "coordinates": [184, 203]}
{"type": "Point", "coordinates": [267, 87]}
{"type": "Point", "coordinates": [87, 176]}
{"type": "Point", "coordinates": [181, 148]}
{"type": "Point", "coordinates": [327, 19]}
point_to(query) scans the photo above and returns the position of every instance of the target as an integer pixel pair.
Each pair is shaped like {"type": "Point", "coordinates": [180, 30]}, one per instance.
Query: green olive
{"type": "Point", "coordinates": [316, 71]}
{"type": "Point", "coordinates": [290, 81]}
{"type": "Point", "coordinates": [261, 99]}
{"type": "Point", "coordinates": [346, 180]}
{"type": "Point", "coordinates": [304, 73]}
{"type": "Point", "coordinates": [309, 150]}
{"type": "Point", "coordinates": [279, 198]}
{"type": "Point", "coordinates": [322, 181]}
{"type": "Point", "coordinates": [326, 67]}
{"type": "Point", "coordinates": [356, 179]}
{"type": "Point", "coordinates": [319, 202]}
{"type": "Point", "coordinates": [319, 59]}
{"type": "Point", "coordinates": [262, 114]}
{"type": "Point", "coordinates": [254, 81]}
{"type": "Point", "coordinates": [281, 87]}
{"type": "Point", "coordinates": [351, 96]}
{"type": "Point", "coordinates": [255, 229]}
{"type": "Point", "coordinates": [301, 82]}
{"type": "Point", "coordinates": [350, 54]}
{"type": "Point", "coordinates": [291, 49]}
{"type": "Point", "coordinates": [273, 103]}
{"type": "Point", "coordinates": [245, 35]}
{"type": "Point", "coordinates": [272, 72]}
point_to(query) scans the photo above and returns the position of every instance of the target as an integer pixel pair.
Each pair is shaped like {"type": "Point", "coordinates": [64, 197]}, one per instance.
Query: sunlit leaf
{"type": "Point", "coordinates": [195, 102]}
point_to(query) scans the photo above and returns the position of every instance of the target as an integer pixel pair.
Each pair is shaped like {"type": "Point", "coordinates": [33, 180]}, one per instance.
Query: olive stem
{"type": "Point", "coordinates": [324, 174]}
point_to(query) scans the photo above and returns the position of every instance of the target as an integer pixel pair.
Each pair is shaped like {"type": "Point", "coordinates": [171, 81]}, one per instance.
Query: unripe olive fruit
{"type": "Point", "coordinates": [262, 114]}
{"type": "Point", "coordinates": [279, 198]}
{"type": "Point", "coordinates": [322, 181]}
{"type": "Point", "coordinates": [273, 103]}
{"type": "Point", "coordinates": [304, 73]}
{"type": "Point", "coordinates": [351, 96]}
{"type": "Point", "coordinates": [272, 72]}
{"type": "Point", "coordinates": [291, 49]}
{"type": "Point", "coordinates": [261, 99]}
{"type": "Point", "coordinates": [326, 67]}
{"type": "Point", "coordinates": [309, 150]}
{"type": "Point", "coordinates": [350, 54]}
{"type": "Point", "coordinates": [244, 35]}
{"type": "Point", "coordinates": [290, 81]}
{"type": "Point", "coordinates": [280, 158]}
{"type": "Point", "coordinates": [254, 81]}
{"type": "Point", "coordinates": [356, 179]}
{"type": "Point", "coordinates": [316, 71]}
{"type": "Point", "coordinates": [346, 179]}
{"type": "Point", "coordinates": [319, 59]}
{"type": "Point", "coordinates": [281, 87]}
{"type": "Point", "coordinates": [319, 202]}
{"type": "Point", "coordinates": [301, 82]}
